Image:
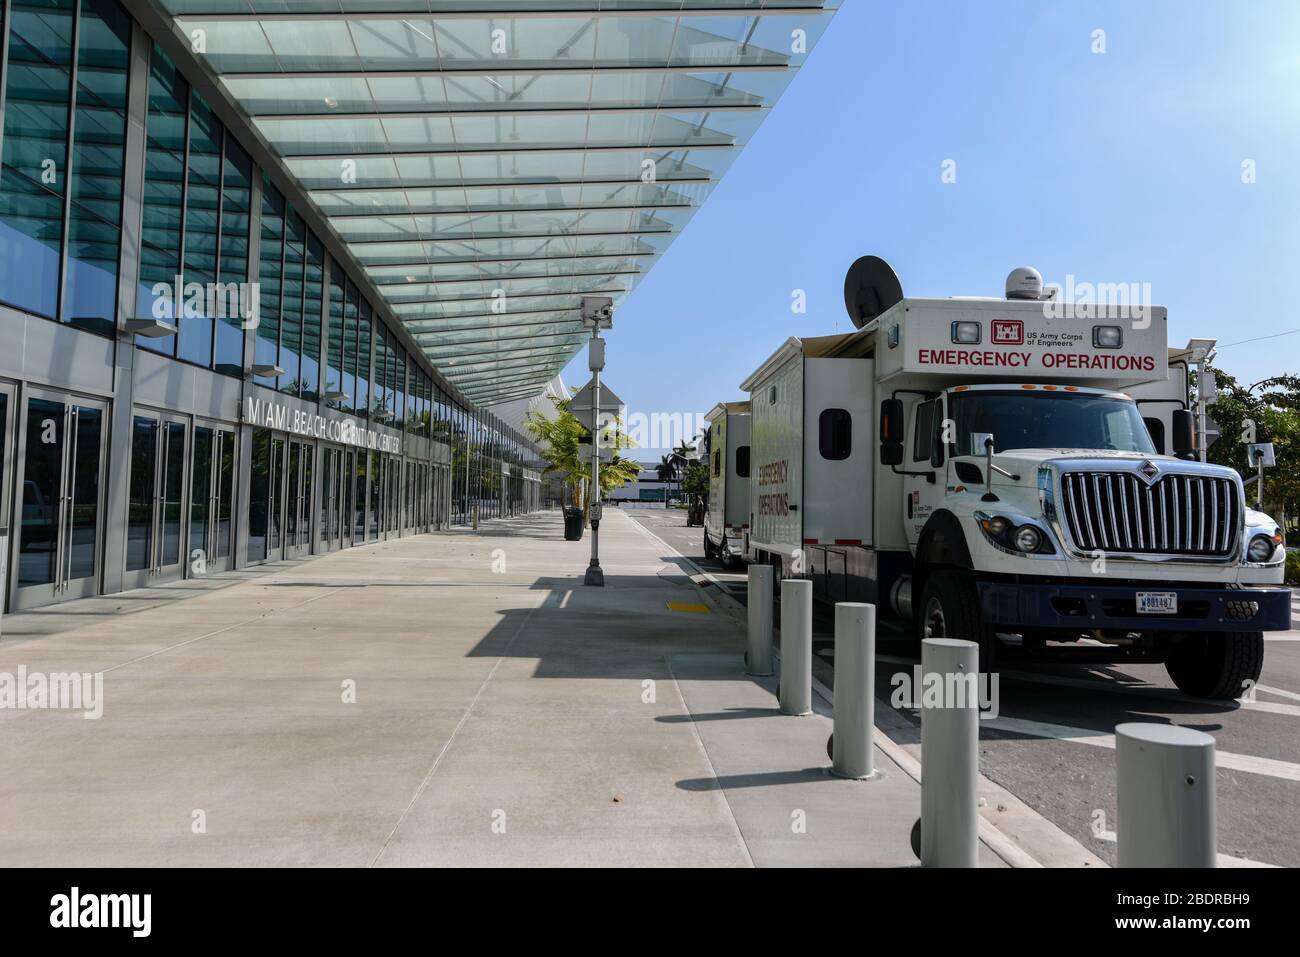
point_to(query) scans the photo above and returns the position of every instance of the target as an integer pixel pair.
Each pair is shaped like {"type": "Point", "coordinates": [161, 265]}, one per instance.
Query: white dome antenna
{"type": "Point", "coordinates": [1025, 282]}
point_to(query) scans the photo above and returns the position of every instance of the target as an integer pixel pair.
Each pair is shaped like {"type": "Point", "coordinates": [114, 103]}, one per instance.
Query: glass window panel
{"type": "Point", "coordinates": [269, 276]}
{"type": "Point", "coordinates": [164, 190]}
{"type": "Point", "coordinates": [311, 317]}
{"type": "Point", "coordinates": [32, 166]}
{"type": "Point", "coordinates": [202, 202]}
{"type": "Point", "coordinates": [351, 365]}
{"type": "Point", "coordinates": [364, 357]}
{"type": "Point", "coordinates": [334, 362]}
{"type": "Point", "coordinates": [236, 206]}
{"type": "Point", "coordinates": [98, 152]}
{"type": "Point", "coordinates": [291, 306]}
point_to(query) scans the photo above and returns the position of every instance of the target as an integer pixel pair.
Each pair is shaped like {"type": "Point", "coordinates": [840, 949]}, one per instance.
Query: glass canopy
{"type": "Point", "coordinates": [490, 162]}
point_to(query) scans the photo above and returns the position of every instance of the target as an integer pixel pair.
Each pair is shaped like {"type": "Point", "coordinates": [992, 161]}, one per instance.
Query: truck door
{"type": "Point", "coordinates": [923, 467]}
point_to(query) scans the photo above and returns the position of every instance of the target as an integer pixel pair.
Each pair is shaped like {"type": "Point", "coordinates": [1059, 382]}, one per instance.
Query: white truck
{"type": "Point", "coordinates": [1019, 473]}
{"type": "Point", "coordinates": [727, 518]}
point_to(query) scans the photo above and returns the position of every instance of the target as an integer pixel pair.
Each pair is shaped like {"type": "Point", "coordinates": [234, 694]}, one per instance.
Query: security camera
{"type": "Point", "coordinates": [597, 312]}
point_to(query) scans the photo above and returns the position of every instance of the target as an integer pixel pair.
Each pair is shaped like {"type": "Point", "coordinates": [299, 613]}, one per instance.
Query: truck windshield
{"type": "Point", "coordinates": [1049, 420]}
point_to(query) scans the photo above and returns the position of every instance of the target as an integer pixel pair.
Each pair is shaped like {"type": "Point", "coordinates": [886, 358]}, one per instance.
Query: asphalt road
{"type": "Point", "coordinates": [1067, 772]}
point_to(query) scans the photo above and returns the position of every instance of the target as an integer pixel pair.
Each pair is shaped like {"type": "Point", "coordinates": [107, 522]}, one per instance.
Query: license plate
{"type": "Point", "coordinates": [1157, 603]}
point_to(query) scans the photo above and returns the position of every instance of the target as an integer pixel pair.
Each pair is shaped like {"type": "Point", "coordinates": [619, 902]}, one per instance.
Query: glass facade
{"type": "Point", "coordinates": [130, 209]}
{"type": "Point", "coordinates": [61, 165]}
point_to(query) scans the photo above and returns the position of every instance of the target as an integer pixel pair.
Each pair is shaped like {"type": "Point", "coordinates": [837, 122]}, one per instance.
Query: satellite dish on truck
{"type": "Point", "coordinates": [870, 287]}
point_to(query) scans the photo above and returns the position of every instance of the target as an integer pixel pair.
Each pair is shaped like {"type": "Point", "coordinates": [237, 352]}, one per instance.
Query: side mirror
{"type": "Point", "coordinates": [891, 432]}
{"type": "Point", "coordinates": [1184, 437]}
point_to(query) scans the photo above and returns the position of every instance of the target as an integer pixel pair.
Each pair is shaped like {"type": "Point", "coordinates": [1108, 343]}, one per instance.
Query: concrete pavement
{"type": "Point", "coordinates": [450, 699]}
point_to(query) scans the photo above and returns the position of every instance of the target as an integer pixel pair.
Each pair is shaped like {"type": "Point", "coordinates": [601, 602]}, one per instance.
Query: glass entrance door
{"type": "Point", "coordinates": [155, 534]}
{"type": "Point", "coordinates": [329, 497]}
{"type": "Point", "coordinates": [297, 541]}
{"type": "Point", "coordinates": [266, 497]}
{"type": "Point", "coordinates": [62, 445]}
{"type": "Point", "coordinates": [212, 479]}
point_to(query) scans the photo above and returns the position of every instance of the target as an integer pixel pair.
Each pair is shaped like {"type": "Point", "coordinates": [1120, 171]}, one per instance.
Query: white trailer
{"type": "Point", "coordinates": [727, 518]}
{"type": "Point", "coordinates": [1019, 473]}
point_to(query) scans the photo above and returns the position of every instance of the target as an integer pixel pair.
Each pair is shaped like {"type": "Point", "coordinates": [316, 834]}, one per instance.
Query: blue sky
{"type": "Point", "coordinates": [1117, 167]}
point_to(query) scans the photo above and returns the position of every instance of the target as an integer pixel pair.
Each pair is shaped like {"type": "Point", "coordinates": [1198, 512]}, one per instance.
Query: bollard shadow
{"type": "Point", "coordinates": [758, 779]}
{"type": "Point", "coordinates": [731, 714]}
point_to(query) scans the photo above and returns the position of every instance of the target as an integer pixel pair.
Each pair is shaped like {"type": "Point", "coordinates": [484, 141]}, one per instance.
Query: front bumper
{"type": "Point", "coordinates": [1084, 607]}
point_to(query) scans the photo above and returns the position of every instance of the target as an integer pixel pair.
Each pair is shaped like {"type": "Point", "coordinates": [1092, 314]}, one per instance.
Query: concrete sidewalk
{"type": "Point", "coordinates": [450, 699]}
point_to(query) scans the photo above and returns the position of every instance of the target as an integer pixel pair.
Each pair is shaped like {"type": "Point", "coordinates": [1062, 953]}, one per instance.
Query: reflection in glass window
{"type": "Point", "coordinates": [314, 278]}
{"type": "Point", "coordinates": [270, 267]}
{"type": "Point", "coordinates": [291, 305]}
{"type": "Point", "coordinates": [33, 174]}
{"type": "Point", "coordinates": [98, 150]}
{"type": "Point", "coordinates": [351, 321]}
{"type": "Point", "coordinates": [236, 206]}
{"type": "Point", "coordinates": [362, 404]}
{"type": "Point", "coordinates": [334, 360]}
{"type": "Point", "coordinates": [202, 202]}
{"type": "Point", "coordinates": [164, 190]}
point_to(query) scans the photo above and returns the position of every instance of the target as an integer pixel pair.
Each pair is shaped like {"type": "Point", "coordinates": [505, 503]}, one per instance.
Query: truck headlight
{"type": "Point", "coordinates": [1007, 535]}
{"type": "Point", "coordinates": [1027, 539]}
{"type": "Point", "coordinates": [1262, 547]}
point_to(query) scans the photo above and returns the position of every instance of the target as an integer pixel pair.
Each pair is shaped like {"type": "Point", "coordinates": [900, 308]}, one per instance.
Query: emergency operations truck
{"type": "Point", "coordinates": [728, 516]}
{"type": "Point", "coordinates": [1015, 472]}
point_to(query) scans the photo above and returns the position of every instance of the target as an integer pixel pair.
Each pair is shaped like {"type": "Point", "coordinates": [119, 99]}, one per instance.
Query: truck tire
{"type": "Point", "coordinates": [1216, 664]}
{"type": "Point", "coordinates": [708, 545]}
{"type": "Point", "coordinates": [950, 609]}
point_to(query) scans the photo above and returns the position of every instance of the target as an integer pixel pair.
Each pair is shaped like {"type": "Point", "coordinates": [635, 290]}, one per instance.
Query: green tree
{"type": "Point", "coordinates": [1268, 411]}
{"type": "Point", "coordinates": [695, 481]}
{"type": "Point", "coordinates": [569, 458]}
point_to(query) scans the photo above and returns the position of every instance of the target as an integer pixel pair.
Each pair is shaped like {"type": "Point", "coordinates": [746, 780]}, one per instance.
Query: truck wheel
{"type": "Point", "coordinates": [950, 609]}
{"type": "Point", "coordinates": [1216, 664]}
{"type": "Point", "coordinates": [708, 545]}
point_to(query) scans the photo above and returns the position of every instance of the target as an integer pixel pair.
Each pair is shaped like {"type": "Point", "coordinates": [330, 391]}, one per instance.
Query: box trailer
{"type": "Point", "coordinates": [1015, 472]}
{"type": "Point", "coordinates": [727, 518]}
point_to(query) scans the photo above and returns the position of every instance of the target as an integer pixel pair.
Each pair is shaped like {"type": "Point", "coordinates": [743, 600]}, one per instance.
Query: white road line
{"type": "Point", "coordinates": [1278, 691]}
{"type": "Point", "coordinates": [1227, 760]}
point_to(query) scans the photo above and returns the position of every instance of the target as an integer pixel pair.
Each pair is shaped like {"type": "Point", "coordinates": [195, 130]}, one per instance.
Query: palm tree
{"type": "Point", "coordinates": [570, 458]}
{"type": "Point", "coordinates": [666, 471]}
{"type": "Point", "coordinates": [681, 455]}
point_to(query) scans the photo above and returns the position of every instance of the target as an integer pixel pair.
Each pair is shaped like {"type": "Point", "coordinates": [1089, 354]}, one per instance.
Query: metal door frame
{"type": "Point", "coordinates": [62, 589]}
{"type": "Point", "coordinates": [302, 547]}
{"type": "Point", "coordinates": [223, 433]}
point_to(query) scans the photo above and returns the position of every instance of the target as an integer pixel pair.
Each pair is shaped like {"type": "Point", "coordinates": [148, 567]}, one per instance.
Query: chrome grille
{"type": "Point", "coordinates": [1175, 515]}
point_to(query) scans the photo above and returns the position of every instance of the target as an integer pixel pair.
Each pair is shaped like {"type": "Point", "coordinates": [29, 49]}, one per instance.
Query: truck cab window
{"type": "Point", "coordinates": [834, 431]}
{"type": "Point", "coordinates": [1157, 430]}
{"type": "Point", "coordinates": [923, 444]}
{"type": "Point", "coordinates": [742, 461]}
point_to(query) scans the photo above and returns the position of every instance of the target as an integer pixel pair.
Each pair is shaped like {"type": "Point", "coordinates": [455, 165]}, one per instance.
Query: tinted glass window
{"type": "Point", "coordinates": [742, 461]}
{"type": "Point", "coordinates": [98, 150]}
{"type": "Point", "coordinates": [37, 92]}
{"type": "Point", "coordinates": [164, 188]}
{"type": "Point", "coordinates": [202, 208]}
{"type": "Point", "coordinates": [236, 205]}
{"type": "Point", "coordinates": [923, 444]}
{"type": "Point", "coordinates": [270, 277]}
{"type": "Point", "coordinates": [834, 434]}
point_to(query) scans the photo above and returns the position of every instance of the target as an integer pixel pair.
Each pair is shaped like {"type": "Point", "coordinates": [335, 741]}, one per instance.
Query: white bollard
{"type": "Point", "coordinates": [950, 754]}
{"type": "Point", "coordinates": [758, 657]}
{"type": "Point", "coordinates": [1165, 796]}
{"type": "Point", "coordinates": [796, 646]}
{"type": "Point", "coordinates": [855, 690]}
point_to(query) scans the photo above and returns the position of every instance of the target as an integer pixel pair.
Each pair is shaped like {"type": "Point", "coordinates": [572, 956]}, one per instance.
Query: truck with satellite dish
{"type": "Point", "coordinates": [727, 518]}
{"type": "Point", "coordinates": [1018, 472]}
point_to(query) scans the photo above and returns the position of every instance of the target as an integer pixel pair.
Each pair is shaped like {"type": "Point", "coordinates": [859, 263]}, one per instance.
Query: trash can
{"type": "Point", "coordinates": [573, 524]}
